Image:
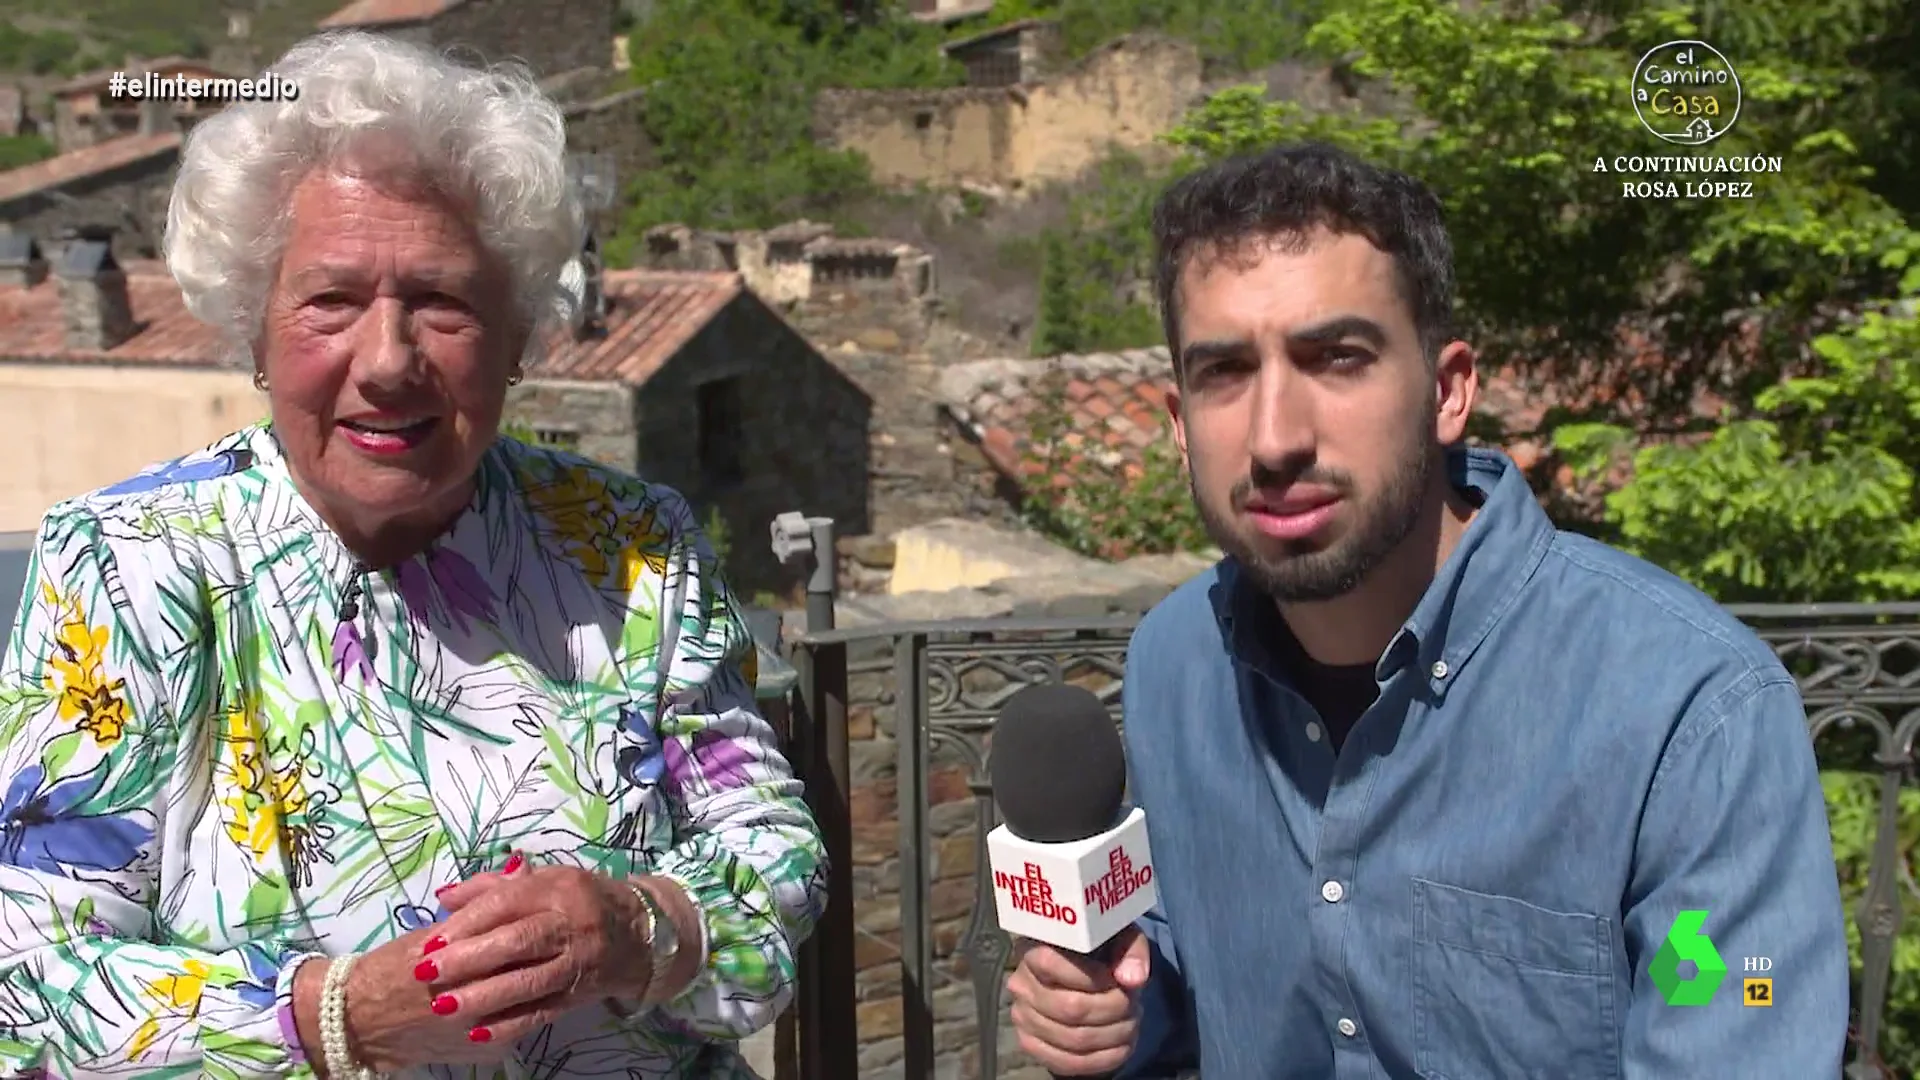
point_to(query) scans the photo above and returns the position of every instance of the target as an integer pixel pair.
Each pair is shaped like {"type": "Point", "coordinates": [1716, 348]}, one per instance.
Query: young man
{"type": "Point", "coordinates": [1429, 783]}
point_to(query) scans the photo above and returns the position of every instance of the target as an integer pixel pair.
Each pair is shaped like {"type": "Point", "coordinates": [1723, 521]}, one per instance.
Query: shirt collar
{"type": "Point", "coordinates": [1475, 588]}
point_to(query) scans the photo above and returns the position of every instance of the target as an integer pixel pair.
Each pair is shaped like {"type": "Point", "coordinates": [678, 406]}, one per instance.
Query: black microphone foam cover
{"type": "Point", "coordinates": [1057, 766]}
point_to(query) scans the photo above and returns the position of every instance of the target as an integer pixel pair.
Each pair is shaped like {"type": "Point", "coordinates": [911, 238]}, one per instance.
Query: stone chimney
{"type": "Point", "coordinates": [21, 262]}
{"type": "Point", "coordinates": [93, 291]}
{"type": "Point", "coordinates": [593, 297]}
{"type": "Point", "coordinates": [156, 116]}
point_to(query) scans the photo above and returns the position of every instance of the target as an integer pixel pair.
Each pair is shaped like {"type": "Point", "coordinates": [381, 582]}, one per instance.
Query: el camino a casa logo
{"type": "Point", "coordinates": [1686, 92]}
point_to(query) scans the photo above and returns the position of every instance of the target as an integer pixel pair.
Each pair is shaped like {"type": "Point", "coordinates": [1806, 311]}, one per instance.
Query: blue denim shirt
{"type": "Point", "coordinates": [1570, 748]}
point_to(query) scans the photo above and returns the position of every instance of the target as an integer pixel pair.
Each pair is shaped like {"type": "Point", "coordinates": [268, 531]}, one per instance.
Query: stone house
{"type": "Point", "coordinates": [122, 184]}
{"type": "Point", "coordinates": [694, 382]}
{"type": "Point", "coordinates": [1023, 123]}
{"type": "Point", "coordinates": [549, 36]}
{"type": "Point", "coordinates": [873, 306]}
{"type": "Point", "coordinates": [686, 377]}
{"type": "Point", "coordinates": [86, 114]}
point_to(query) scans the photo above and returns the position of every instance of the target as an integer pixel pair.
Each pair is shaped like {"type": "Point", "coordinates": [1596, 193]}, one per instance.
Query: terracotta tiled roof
{"type": "Point", "coordinates": [1116, 404]}
{"type": "Point", "coordinates": [385, 12]}
{"type": "Point", "coordinates": [79, 164]}
{"type": "Point", "coordinates": [651, 315]}
{"type": "Point", "coordinates": [31, 329]}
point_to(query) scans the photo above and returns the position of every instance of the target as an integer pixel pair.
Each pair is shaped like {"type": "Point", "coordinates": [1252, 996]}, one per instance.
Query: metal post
{"type": "Point", "coordinates": [822, 583]}
{"type": "Point", "coordinates": [797, 537]}
{"type": "Point", "coordinates": [829, 1032]}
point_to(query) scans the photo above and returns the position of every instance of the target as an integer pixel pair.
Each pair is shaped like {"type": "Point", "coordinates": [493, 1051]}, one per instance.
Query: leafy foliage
{"type": "Point", "coordinates": [84, 35]}
{"type": "Point", "coordinates": [1853, 809]}
{"type": "Point", "coordinates": [1515, 111]}
{"type": "Point", "coordinates": [50, 52]}
{"type": "Point", "coordinates": [1815, 500]}
{"type": "Point", "coordinates": [1089, 297]}
{"type": "Point", "coordinates": [18, 150]}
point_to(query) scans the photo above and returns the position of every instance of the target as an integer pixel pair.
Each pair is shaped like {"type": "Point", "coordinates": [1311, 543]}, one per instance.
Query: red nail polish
{"type": "Point", "coordinates": [434, 944]}
{"type": "Point", "coordinates": [441, 892]}
{"type": "Point", "coordinates": [444, 1005]}
{"type": "Point", "coordinates": [426, 971]}
{"type": "Point", "coordinates": [480, 1035]}
{"type": "Point", "coordinates": [514, 863]}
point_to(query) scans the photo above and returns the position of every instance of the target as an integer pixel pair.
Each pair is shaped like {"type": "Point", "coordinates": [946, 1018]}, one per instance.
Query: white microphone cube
{"type": "Point", "coordinates": [1074, 896]}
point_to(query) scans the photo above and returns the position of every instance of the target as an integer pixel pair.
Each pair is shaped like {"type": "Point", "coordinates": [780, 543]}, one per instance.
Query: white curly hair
{"type": "Point", "coordinates": [488, 136]}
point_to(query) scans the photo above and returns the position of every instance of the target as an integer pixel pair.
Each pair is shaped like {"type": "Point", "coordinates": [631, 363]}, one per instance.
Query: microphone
{"type": "Point", "coordinates": [1071, 867]}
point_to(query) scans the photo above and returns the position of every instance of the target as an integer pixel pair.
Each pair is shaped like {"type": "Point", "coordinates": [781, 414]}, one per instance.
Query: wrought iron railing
{"type": "Point", "coordinates": [906, 709]}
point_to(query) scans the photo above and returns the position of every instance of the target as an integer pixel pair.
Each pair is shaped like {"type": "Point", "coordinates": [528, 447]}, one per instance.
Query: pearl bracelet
{"type": "Point", "coordinates": [333, 1023]}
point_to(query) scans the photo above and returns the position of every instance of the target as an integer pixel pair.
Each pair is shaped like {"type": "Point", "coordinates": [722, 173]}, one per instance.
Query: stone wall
{"type": "Point", "coordinates": [1126, 94]}
{"type": "Point", "coordinates": [550, 36]}
{"type": "Point", "coordinates": [880, 294]}
{"type": "Point", "coordinates": [956, 793]}
{"type": "Point", "coordinates": [132, 201]}
{"type": "Point", "coordinates": [592, 419]}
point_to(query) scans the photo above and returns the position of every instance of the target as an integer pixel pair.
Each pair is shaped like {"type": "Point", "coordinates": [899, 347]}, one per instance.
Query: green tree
{"type": "Point", "coordinates": [1106, 507]}
{"type": "Point", "coordinates": [1056, 327]}
{"type": "Point", "coordinates": [1812, 500]}
{"type": "Point", "coordinates": [1094, 265]}
{"type": "Point", "coordinates": [18, 150]}
{"type": "Point", "coordinates": [730, 91]}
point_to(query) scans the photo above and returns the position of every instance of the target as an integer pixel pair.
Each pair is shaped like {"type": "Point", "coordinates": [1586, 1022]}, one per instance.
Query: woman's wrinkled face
{"type": "Point", "coordinates": [387, 345]}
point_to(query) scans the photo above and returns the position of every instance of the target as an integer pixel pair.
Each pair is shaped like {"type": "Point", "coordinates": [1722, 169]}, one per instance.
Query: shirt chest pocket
{"type": "Point", "coordinates": [1504, 988]}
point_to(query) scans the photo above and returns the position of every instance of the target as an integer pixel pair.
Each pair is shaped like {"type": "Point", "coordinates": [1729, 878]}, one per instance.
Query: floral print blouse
{"type": "Point", "coordinates": [225, 745]}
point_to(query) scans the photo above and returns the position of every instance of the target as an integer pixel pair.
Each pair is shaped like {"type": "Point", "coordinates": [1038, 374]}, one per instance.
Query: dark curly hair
{"type": "Point", "coordinates": [1283, 194]}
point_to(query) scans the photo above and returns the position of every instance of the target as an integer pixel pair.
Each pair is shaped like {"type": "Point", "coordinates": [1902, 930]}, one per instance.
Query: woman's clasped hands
{"type": "Point", "coordinates": [518, 949]}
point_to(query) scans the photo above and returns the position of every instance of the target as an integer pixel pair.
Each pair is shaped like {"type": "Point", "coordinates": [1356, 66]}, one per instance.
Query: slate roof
{"type": "Point", "coordinates": [88, 161]}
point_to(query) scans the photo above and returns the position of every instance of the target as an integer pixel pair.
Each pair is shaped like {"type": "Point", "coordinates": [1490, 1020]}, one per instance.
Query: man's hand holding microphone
{"type": "Point", "coordinates": [1076, 1014]}
{"type": "Point", "coordinates": [1072, 871]}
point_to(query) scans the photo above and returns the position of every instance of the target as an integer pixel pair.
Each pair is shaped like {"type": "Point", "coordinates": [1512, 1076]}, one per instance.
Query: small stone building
{"type": "Point", "coordinates": [550, 36]}
{"type": "Point", "coordinates": [692, 381]}
{"type": "Point", "coordinates": [122, 184]}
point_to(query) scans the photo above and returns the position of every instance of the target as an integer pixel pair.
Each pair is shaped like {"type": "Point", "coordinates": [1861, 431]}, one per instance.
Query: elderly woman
{"type": "Point", "coordinates": [366, 741]}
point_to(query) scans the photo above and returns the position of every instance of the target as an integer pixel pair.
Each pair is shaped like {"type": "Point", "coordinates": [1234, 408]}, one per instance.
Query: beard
{"type": "Point", "coordinates": [1298, 571]}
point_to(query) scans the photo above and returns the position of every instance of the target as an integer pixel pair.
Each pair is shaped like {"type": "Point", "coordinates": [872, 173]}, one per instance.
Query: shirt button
{"type": "Point", "coordinates": [1347, 1027]}
{"type": "Point", "coordinates": [1332, 892]}
{"type": "Point", "coordinates": [1313, 732]}
{"type": "Point", "coordinates": [1439, 669]}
